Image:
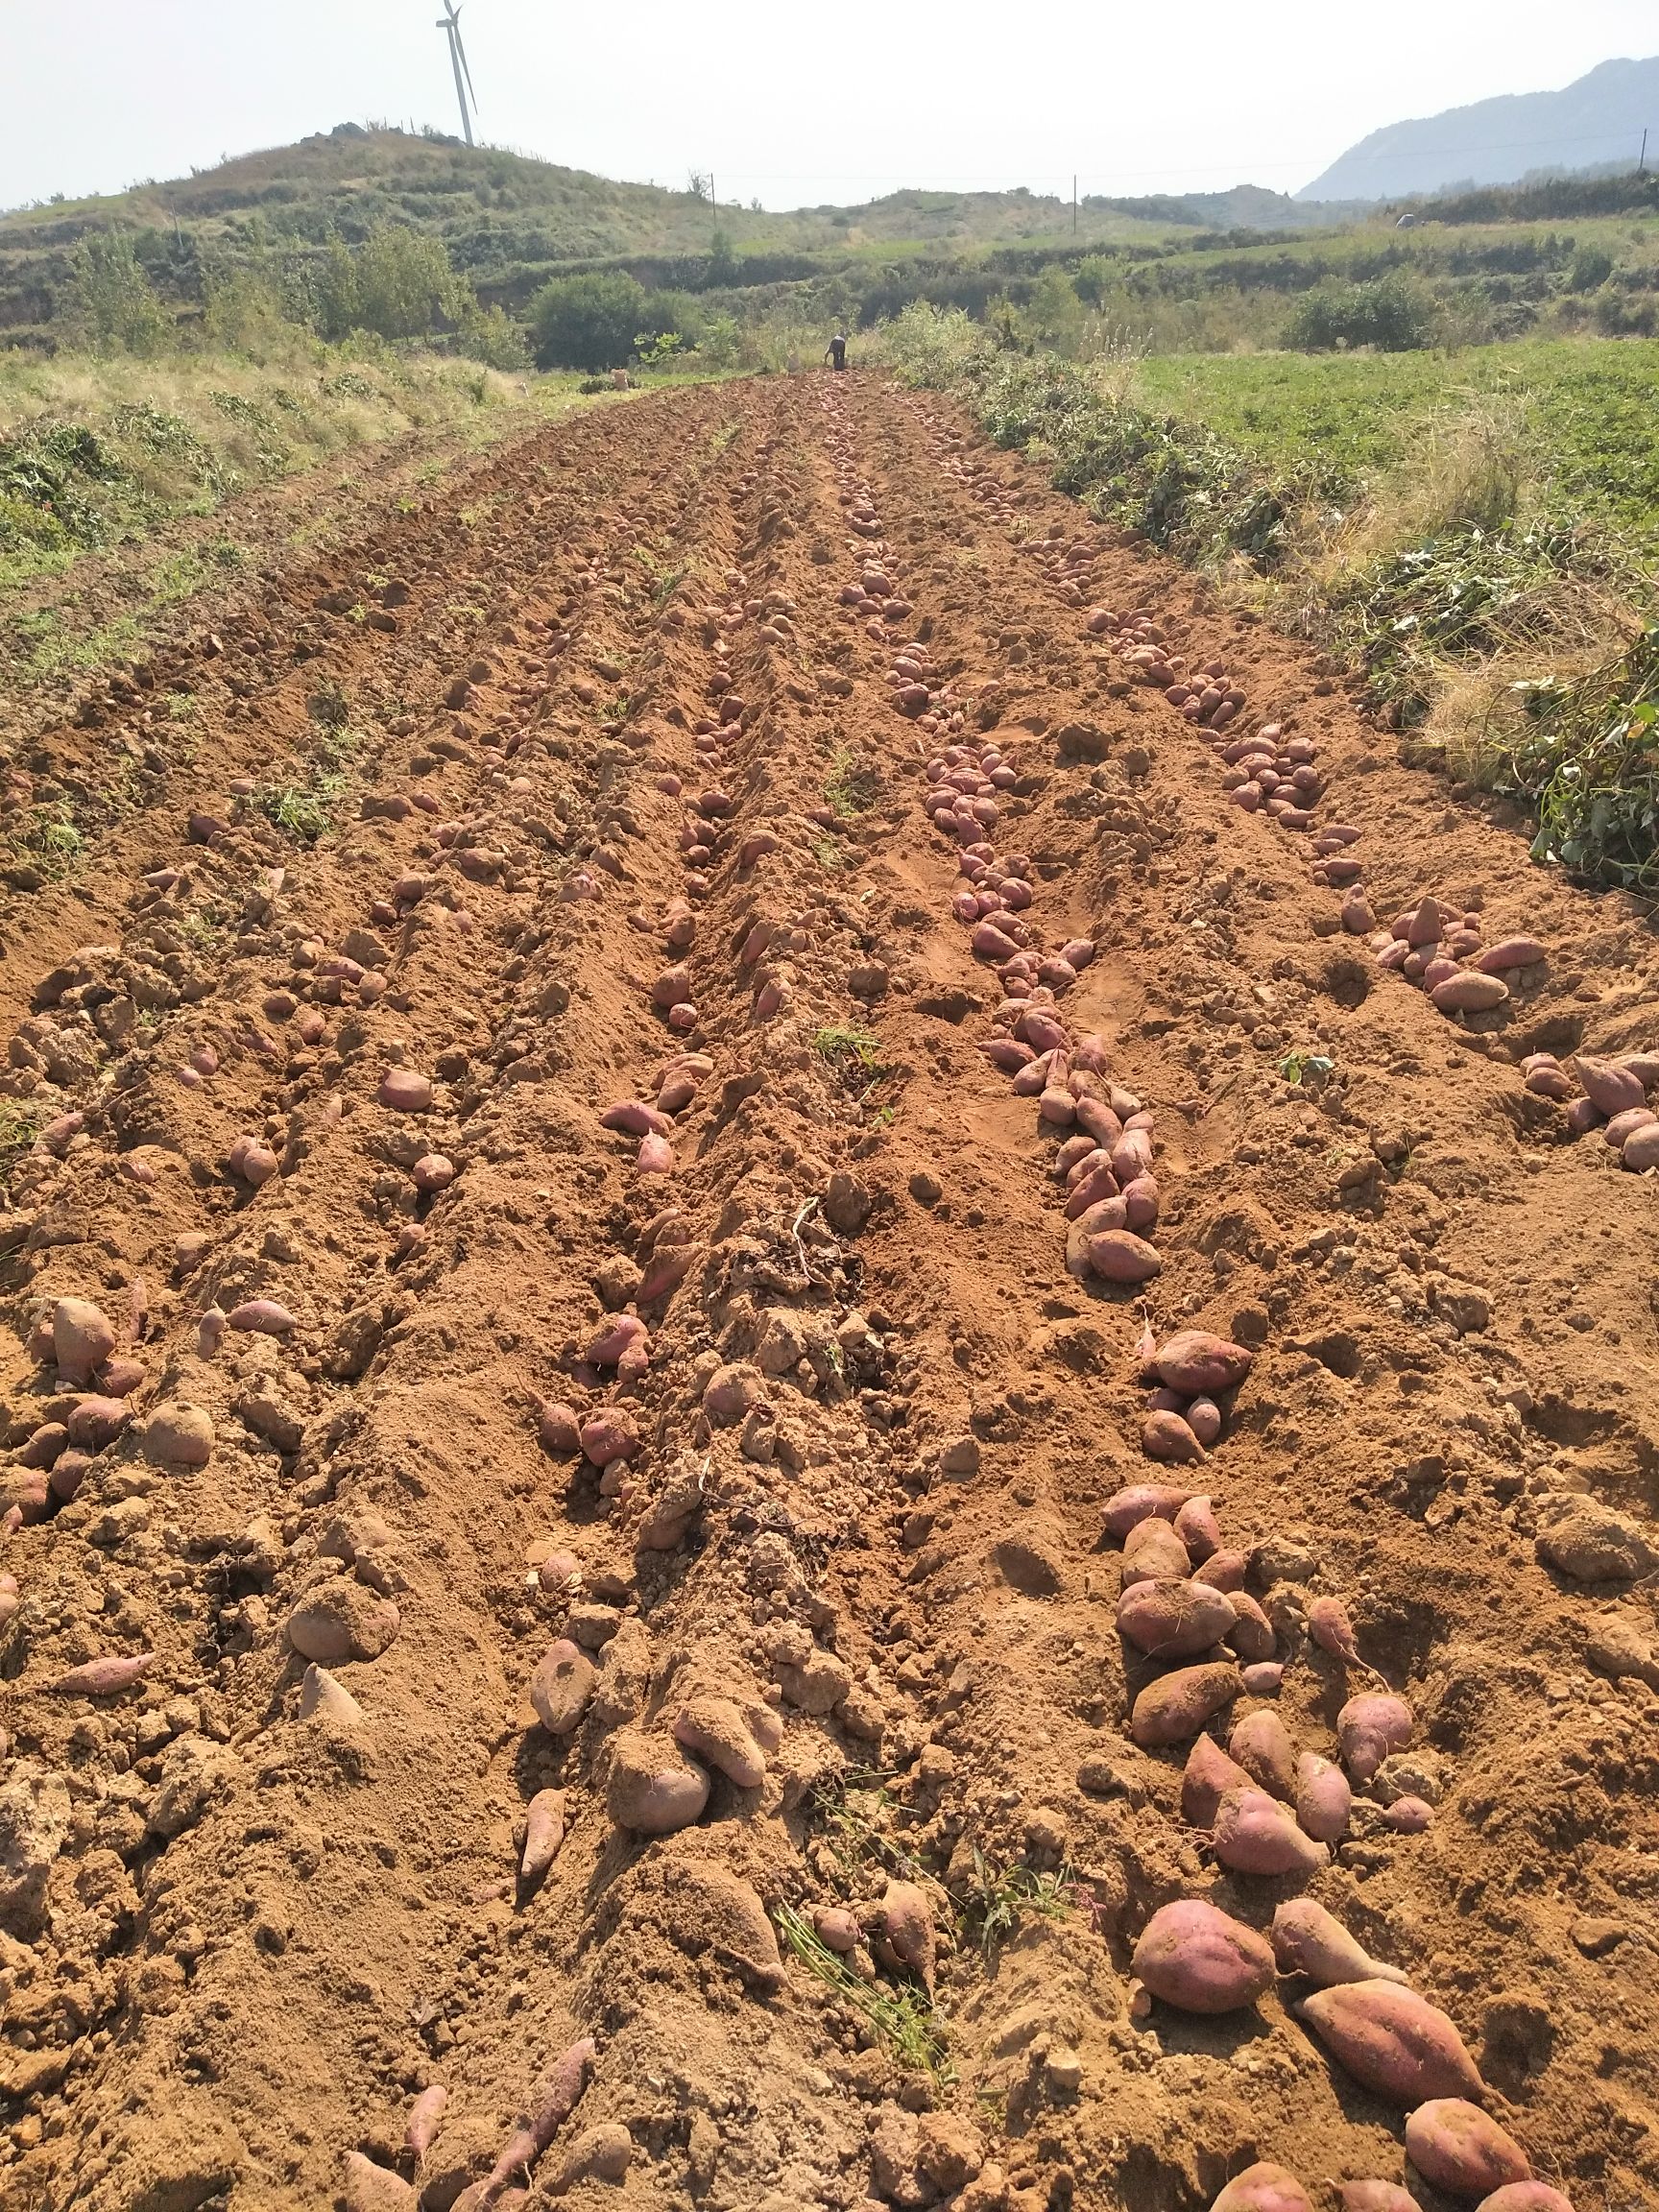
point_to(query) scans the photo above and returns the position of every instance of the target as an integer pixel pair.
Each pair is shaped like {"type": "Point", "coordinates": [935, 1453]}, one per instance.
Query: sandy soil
{"type": "Point", "coordinates": [839, 1524]}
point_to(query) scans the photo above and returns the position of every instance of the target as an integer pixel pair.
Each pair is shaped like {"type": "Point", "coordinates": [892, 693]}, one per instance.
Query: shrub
{"type": "Point", "coordinates": [587, 321]}
{"type": "Point", "coordinates": [113, 296]}
{"type": "Point", "coordinates": [1393, 312]}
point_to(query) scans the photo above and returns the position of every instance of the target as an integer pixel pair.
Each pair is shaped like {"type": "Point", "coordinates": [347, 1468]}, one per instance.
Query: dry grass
{"type": "Point", "coordinates": [1468, 473]}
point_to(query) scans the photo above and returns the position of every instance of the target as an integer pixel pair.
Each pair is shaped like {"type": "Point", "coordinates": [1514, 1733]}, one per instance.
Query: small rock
{"type": "Point", "coordinates": [34, 1814]}
{"type": "Point", "coordinates": [340, 1620]}
{"type": "Point", "coordinates": [1582, 1538]}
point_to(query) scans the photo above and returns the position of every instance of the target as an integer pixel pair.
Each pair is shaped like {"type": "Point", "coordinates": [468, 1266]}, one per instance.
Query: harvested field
{"type": "Point", "coordinates": [597, 1436]}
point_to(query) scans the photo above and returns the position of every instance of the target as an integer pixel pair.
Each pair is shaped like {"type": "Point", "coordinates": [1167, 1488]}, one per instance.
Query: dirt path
{"type": "Point", "coordinates": [775, 1412]}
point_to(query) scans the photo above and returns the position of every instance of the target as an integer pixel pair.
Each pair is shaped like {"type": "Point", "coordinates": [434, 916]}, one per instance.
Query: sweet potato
{"type": "Point", "coordinates": [1255, 1834]}
{"type": "Point", "coordinates": [81, 1339]}
{"type": "Point", "coordinates": [1624, 1126]}
{"type": "Point", "coordinates": [1640, 1150]}
{"type": "Point", "coordinates": [1261, 1743]}
{"type": "Point", "coordinates": [1195, 1957]}
{"type": "Point", "coordinates": [1308, 1940]}
{"type": "Point", "coordinates": [425, 2115]}
{"type": "Point", "coordinates": [1369, 1727]}
{"type": "Point", "coordinates": [1178, 1705]}
{"type": "Point", "coordinates": [907, 1924]}
{"type": "Point", "coordinates": [103, 1677]}
{"type": "Point", "coordinates": [1329, 1625]}
{"type": "Point", "coordinates": [405, 1091]}
{"type": "Point", "coordinates": [1206, 1779]}
{"type": "Point", "coordinates": [1409, 1816]}
{"type": "Point", "coordinates": [560, 1687]}
{"type": "Point", "coordinates": [1324, 1800]}
{"type": "Point", "coordinates": [1173, 1619]}
{"type": "Point", "coordinates": [1166, 1437]}
{"type": "Point", "coordinates": [1251, 1634]}
{"type": "Point", "coordinates": [1465, 992]}
{"type": "Point", "coordinates": [1393, 2042]}
{"type": "Point", "coordinates": [1264, 2188]}
{"type": "Point", "coordinates": [1197, 1528]}
{"type": "Point", "coordinates": [1142, 1502]}
{"type": "Point", "coordinates": [1609, 1087]}
{"type": "Point", "coordinates": [542, 2119]}
{"type": "Point", "coordinates": [1199, 1364]}
{"type": "Point", "coordinates": [1511, 952]}
{"type": "Point", "coordinates": [1223, 1570]}
{"type": "Point", "coordinates": [716, 1730]}
{"type": "Point", "coordinates": [1377, 2197]}
{"type": "Point", "coordinates": [1522, 2196]}
{"type": "Point", "coordinates": [1118, 1256]}
{"type": "Point", "coordinates": [372, 2188]}
{"type": "Point", "coordinates": [654, 1788]}
{"type": "Point", "coordinates": [1460, 2148]}
{"type": "Point", "coordinates": [1153, 1552]}
{"type": "Point", "coordinates": [543, 1833]}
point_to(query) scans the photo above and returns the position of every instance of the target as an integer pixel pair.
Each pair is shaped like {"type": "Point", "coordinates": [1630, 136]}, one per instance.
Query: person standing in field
{"type": "Point", "coordinates": [835, 352]}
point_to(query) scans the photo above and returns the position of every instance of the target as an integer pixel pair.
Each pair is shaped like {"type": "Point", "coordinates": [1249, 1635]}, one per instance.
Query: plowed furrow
{"type": "Point", "coordinates": [615, 1432]}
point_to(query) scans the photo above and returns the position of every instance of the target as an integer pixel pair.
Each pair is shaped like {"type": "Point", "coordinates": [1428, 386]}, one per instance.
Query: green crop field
{"type": "Point", "coordinates": [1585, 409]}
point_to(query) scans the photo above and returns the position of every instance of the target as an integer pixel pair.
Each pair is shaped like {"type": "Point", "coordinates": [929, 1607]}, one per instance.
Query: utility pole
{"type": "Point", "coordinates": [1642, 165]}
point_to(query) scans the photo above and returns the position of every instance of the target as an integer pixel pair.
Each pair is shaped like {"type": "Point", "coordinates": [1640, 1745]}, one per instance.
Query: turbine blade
{"type": "Point", "coordinates": [465, 72]}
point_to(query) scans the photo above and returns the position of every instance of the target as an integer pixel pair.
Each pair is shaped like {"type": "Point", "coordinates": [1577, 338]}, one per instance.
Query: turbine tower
{"type": "Point", "coordinates": [449, 22]}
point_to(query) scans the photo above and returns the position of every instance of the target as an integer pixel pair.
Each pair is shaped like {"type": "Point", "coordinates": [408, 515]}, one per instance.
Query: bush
{"type": "Point", "coordinates": [115, 299]}
{"type": "Point", "coordinates": [587, 321]}
{"type": "Point", "coordinates": [1393, 312]}
{"type": "Point", "coordinates": [490, 334]}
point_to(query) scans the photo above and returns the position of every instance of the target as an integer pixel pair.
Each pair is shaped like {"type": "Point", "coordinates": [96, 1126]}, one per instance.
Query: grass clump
{"type": "Point", "coordinates": [855, 1054]}
{"type": "Point", "coordinates": [21, 1121]}
{"type": "Point", "coordinates": [1587, 760]}
{"type": "Point", "coordinates": [306, 811]}
{"type": "Point", "coordinates": [48, 841]}
{"type": "Point", "coordinates": [901, 2014]}
{"type": "Point", "coordinates": [850, 786]}
{"type": "Point", "coordinates": [996, 1901]}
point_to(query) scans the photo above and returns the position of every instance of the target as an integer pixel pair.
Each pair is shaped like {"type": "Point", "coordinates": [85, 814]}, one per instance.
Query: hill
{"type": "Point", "coordinates": [509, 220]}
{"type": "Point", "coordinates": [1599, 119]}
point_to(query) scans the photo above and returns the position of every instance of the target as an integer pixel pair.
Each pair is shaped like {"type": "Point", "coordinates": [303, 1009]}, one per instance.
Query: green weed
{"type": "Point", "coordinates": [996, 1901]}
{"type": "Point", "coordinates": [901, 2015]}
{"type": "Point", "coordinates": [21, 1121]}
{"type": "Point", "coordinates": [850, 786]}
{"type": "Point", "coordinates": [305, 812]}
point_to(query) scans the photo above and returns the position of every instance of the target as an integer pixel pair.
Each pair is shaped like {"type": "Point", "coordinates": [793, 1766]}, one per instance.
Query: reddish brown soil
{"type": "Point", "coordinates": [259, 1935]}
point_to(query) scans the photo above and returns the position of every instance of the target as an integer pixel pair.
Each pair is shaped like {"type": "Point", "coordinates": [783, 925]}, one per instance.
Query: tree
{"type": "Point", "coordinates": [405, 285]}
{"type": "Point", "coordinates": [114, 296]}
{"type": "Point", "coordinates": [587, 321]}
{"type": "Point", "coordinates": [398, 284]}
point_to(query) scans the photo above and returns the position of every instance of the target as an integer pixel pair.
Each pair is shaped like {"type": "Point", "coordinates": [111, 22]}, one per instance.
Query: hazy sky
{"type": "Point", "coordinates": [788, 102]}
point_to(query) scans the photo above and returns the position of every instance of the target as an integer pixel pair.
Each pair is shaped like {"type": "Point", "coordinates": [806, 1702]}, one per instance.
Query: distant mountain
{"type": "Point", "coordinates": [1597, 121]}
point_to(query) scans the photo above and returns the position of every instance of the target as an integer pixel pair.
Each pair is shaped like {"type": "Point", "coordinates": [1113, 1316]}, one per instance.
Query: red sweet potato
{"type": "Point", "coordinates": [1195, 1957]}
{"type": "Point", "coordinates": [1264, 2188]}
{"type": "Point", "coordinates": [1206, 1779]}
{"type": "Point", "coordinates": [1308, 1940]}
{"type": "Point", "coordinates": [1371, 1726]}
{"type": "Point", "coordinates": [1178, 1705]}
{"type": "Point", "coordinates": [1393, 2042]}
{"type": "Point", "coordinates": [1462, 2149]}
{"type": "Point", "coordinates": [1199, 1364]}
{"type": "Point", "coordinates": [1324, 1800]}
{"type": "Point", "coordinates": [1173, 1619]}
{"type": "Point", "coordinates": [1255, 1834]}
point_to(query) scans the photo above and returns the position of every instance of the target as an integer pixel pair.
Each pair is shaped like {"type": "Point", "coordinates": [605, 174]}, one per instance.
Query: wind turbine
{"type": "Point", "coordinates": [449, 22]}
